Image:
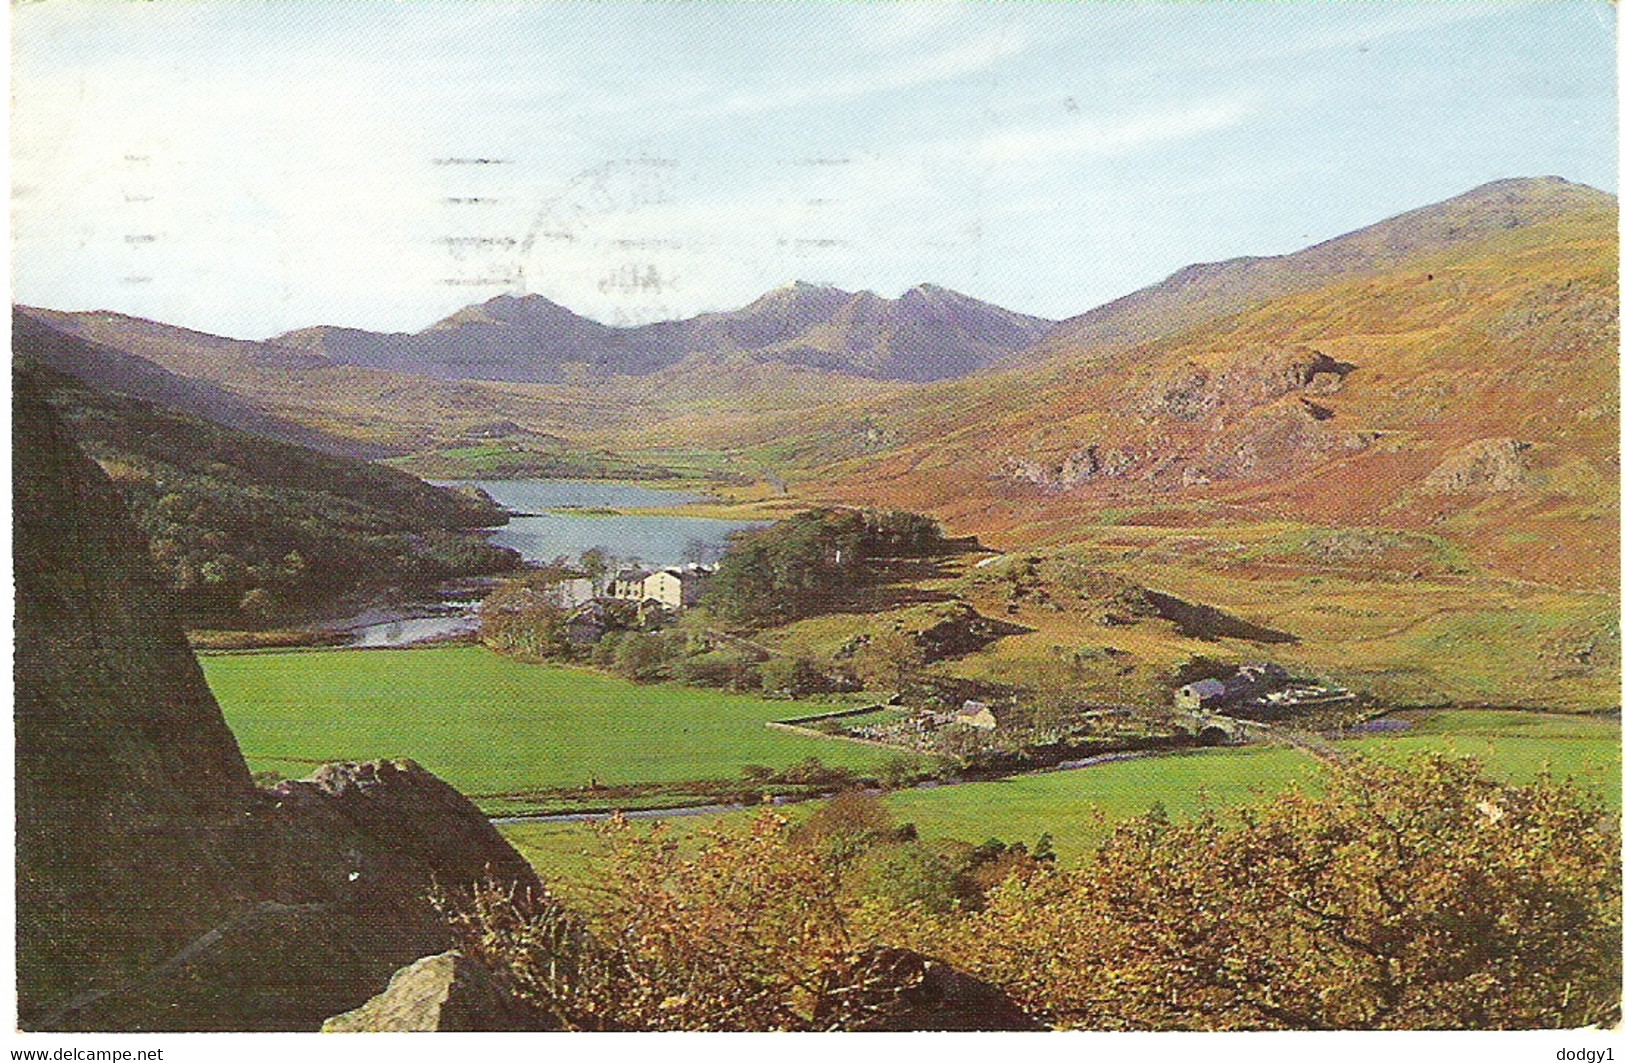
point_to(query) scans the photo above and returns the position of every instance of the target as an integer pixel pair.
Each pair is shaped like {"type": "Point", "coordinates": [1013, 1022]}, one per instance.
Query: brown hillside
{"type": "Point", "coordinates": [1471, 393]}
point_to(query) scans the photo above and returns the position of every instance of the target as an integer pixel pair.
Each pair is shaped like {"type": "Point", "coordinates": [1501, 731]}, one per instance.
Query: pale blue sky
{"type": "Point", "coordinates": [247, 168]}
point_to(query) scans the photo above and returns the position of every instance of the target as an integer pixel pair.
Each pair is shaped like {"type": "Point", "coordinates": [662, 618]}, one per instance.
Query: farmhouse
{"type": "Point", "coordinates": [573, 593]}
{"type": "Point", "coordinates": [677, 588]}
{"type": "Point", "coordinates": [1202, 695]}
{"type": "Point", "coordinates": [1256, 691]}
{"type": "Point", "coordinates": [628, 584]}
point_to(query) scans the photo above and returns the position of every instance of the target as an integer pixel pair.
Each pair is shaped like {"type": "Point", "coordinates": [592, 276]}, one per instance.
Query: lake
{"type": "Point", "coordinates": [550, 529]}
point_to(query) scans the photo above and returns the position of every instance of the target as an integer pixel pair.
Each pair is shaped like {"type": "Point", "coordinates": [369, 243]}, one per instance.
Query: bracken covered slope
{"type": "Point", "coordinates": [1468, 388]}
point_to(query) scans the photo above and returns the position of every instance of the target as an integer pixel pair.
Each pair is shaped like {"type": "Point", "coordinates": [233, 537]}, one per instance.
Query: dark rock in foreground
{"type": "Point", "coordinates": [942, 998]}
{"type": "Point", "coordinates": [157, 889]}
{"type": "Point", "coordinates": [444, 992]}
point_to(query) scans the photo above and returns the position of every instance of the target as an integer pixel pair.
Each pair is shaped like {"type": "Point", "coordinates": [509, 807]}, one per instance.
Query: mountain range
{"type": "Point", "coordinates": [927, 333]}
{"type": "Point", "coordinates": [1452, 372]}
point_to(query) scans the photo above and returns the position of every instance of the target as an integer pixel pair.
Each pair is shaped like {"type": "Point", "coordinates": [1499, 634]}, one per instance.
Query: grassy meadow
{"type": "Point", "coordinates": [491, 726]}
{"type": "Point", "coordinates": [1081, 808]}
{"type": "Point", "coordinates": [496, 728]}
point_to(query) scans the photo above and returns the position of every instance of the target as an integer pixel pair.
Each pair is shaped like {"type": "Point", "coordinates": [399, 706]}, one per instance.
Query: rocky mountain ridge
{"type": "Point", "coordinates": [927, 333]}
{"type": "Point", "coordinates": [1204, 292]}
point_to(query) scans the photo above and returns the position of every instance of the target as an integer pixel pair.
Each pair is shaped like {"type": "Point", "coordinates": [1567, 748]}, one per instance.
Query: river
{"type": "Point", "coordinates": [562, 518]}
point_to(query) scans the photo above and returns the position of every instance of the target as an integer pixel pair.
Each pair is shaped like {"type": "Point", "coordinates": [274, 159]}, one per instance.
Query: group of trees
{"type": "Point", "coordinates": [804, 564]}
{"type": "Point", "coordinates": [248, 531]}
{"type": "Point", "coordinates": [1417, 896]}
{"type": "Point", "coordinates": [796, 567]}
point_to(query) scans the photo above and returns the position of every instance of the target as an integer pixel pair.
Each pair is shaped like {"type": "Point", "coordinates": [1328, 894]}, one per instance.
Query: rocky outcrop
{"type": "Point", "coordinates": [944, 999]}
{"type": "Point", "coordinates": [130, 788]}
{"type": "Point", "coordinates": [445, 992]}
{"type": "Point", "coordinates": [1253, 379]}
{"type": "Point", "coordinates": [1488, 465]}
{"type": "Point", "coordinates": [1091, 461]}
{"type": "Point", "coordinates": [1209, 424]}
{"type": "Point", "coordinates": [910, 992]}
{"type": "Point", "coordinates": [956, 629]}
{"type": "Point", "coordinates": [157, 889]}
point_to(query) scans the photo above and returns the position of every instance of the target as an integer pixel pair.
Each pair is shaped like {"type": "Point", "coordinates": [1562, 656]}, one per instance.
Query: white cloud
{"type": "Point", "coordinates": [288, 151]}
{"type": "Point", "coordinates": [882, 73]}
{"type": "Point", "coordinates": [1113, 135]}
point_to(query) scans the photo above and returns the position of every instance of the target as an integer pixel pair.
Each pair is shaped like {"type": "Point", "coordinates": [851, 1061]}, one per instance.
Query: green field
{"type": "Point", "coordinates": [490, 725]}
{"type": "Point", "coordinates": [1080, 808]}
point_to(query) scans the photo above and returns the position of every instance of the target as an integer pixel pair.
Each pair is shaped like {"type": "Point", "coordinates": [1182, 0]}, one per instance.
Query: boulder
{"type": "Point", "coordinates": [131, 792]}
{"type": "Point", "coordinates": [940, 997]}
{"type": "Point", "coordinates": [445, 992]}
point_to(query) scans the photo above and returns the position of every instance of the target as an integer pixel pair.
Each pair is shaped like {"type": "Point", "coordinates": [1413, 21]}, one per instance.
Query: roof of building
{"type": "Point", "coordinates": [1204, 688]}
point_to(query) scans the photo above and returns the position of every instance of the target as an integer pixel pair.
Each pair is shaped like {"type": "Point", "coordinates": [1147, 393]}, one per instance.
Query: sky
{"type": "Point", "coordinates": [248, 168]}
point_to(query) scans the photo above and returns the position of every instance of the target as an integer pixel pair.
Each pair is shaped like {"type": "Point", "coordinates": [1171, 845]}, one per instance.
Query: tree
{"type": "Point", "coordinates": [897, 533]}
{"type": "Point", "coordinates": [790, 677]}
{"type": "Point", "coordinates": [644, 656]}
{"type": "Point", "coordinates": [526, 618]}
{"type": "Point", "coordinates": [597, 562]}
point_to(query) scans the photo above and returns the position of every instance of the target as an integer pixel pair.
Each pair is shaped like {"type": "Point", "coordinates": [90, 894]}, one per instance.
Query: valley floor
{"type": "Point", "coordinates": [1081, 808]}
{"type": "Point", "coordinates": [519, 736]}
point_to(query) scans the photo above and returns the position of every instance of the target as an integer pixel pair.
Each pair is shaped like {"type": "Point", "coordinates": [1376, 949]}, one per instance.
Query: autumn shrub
{"type": "Point", "coordinates": [1420, 896]}
{"type": "Point", "coordinates": [728, 669]}
{"type": "Point", "coordinates": [747, 935]}
{"type": "Point", "coordinates": [1416, 897]}
{"type": "Point", "coordinates": [645, 657]}
{"type": "Point", "coordinates": [846, 826]}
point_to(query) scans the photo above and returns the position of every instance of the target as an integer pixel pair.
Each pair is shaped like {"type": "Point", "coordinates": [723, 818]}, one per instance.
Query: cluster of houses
{"type": "Point", "coordinates": [661, 592]}
{"type": "Point", "coordinates": [1255, 690]}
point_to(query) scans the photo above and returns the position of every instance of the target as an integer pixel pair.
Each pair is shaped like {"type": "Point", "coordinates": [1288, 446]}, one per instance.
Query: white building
{"type": "Point", "coordinates": [676, 588]}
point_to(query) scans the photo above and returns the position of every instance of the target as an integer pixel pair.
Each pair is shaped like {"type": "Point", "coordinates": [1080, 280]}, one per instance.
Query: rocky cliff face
{"type": "Point", "coordinates": [156, 887]}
